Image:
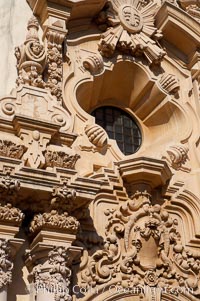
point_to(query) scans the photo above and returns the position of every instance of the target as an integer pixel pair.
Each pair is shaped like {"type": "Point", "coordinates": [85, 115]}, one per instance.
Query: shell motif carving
{"type": "Point", "coordinates": [96, 135]}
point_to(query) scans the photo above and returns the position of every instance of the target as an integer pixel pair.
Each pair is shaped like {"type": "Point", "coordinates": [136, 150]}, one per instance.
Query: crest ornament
{"type": "Point", "coordinates": [130, 29]}
{"type": "Point", "coordinates": [130, 18]}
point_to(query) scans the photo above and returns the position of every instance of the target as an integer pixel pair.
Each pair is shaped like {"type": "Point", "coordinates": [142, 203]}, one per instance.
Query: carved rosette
{"type": "Point", "coordinates": [60, 159]}
{"type": "Point", "coordinates": [130, 29]}
{"type": "Point", "coordinates": [142, 247]}
{"type": "Point", "coordinates": [54, 275]}
{"type": "Point", "coordinates": [31, 58]}
{"type": "Point", "coordinates": [6, 266]}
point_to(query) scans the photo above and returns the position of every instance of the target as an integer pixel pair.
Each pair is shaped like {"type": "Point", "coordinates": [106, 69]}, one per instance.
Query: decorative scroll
{"type": "Point", "coordinates": [143, 247]}
{"type": "Point", "coordinates": [31, 58]}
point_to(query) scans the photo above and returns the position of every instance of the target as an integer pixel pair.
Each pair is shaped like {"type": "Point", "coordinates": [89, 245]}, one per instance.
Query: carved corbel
{"type": "Point", "coordinates": [144, 174]}
{"type": "Point", "coordinates": [31, 58]}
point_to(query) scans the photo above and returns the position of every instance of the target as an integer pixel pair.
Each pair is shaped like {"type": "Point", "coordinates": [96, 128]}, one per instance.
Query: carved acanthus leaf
{"type": "Point", "coordinates": [130, 29]}
{"type": "Point", "coordinates": [31, 58]}
{"type": "Point", "coordinates": [10, 214]}
{"type": "Point", "coordinates": [11, 150]}
{"type": "Point", "coordinates": [54, 220]}
{"type": "Point", "coordinates": [6, 266]}
{"type": "Point", "coordinates": [60, 159]}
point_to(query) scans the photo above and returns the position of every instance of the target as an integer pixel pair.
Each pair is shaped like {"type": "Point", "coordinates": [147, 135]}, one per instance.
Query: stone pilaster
{"type": "Point", "coordinates": [10, 220]}
{"type": "Point", "coordinates": [51, 252]}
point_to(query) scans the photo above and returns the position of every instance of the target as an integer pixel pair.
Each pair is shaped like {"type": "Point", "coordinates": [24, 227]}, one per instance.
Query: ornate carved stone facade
{"type": "Point", "coordinates": [82, 217]}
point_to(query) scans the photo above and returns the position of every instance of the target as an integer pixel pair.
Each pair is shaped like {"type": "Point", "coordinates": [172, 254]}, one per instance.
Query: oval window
{"type": "Point", "coordinates": [120, 126]}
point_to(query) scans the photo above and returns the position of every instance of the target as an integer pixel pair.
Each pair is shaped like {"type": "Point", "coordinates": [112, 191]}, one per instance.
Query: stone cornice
{"type": "Point", "coordinates": [170, 19]}
{"type": "Point", "coordinates": [145, 170]}
{"type": "Point", "coordinates": [66, 9]}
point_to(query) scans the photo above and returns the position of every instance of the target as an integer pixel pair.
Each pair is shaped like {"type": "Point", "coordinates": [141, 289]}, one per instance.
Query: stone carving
{"type": "Point", "coordinates": [54, 275]}
{"type": "Point", "coordinates": [130, 29]}
{"type": "Point", "coordinates": [169, 83]}
{"type": "Point", "coordinates": [31, 58]}
{"type": "Point", "coordinates": [194, 11]}
{"type": "Point", "coordinates": [55, 62]}
{"type": "Point", "coordinates": [9, 188]}
{"type": "Point", "coordinates": [93, 63]}
{"type": "Point", "coordinates": [11, 150]}
{"type": "Point", "coordinates": [36, 145]}
{"type": "Point", "coordinates": [96, 135]}
{"type": "Point", "coordinates": [57, 214]}
{"type": "Point", "coordinates": [142, 247]}
{"type": "Point", "coordinates": [192, 7]}
{"type": "Point", "coordinates": [10, 214]}
{"type": "Point", "coordinates": [177, 156]}
{"type": "Point", "coordinates": [60, 159]}
{"type": "Point", "coordinates": [53, 220]}
{"type": "Point", "coordinates": [63, 198]}
{"type": "Point", "coordinates": [6, 265]}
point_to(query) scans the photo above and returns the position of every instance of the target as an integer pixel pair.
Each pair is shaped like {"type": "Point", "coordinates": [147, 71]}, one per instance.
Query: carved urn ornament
{"type": "Point", "coordinates": [130, 29]}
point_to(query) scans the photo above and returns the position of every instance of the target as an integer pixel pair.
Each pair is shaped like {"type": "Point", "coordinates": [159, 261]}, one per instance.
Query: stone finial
{"type": "Point", "coordinates": [31, 57]}
{"type": "Point", "coordinates": [33, 27]}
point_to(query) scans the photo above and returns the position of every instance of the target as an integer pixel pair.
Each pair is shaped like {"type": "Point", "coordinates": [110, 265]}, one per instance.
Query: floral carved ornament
{"type": "Point", "coordinates": [143, 248]}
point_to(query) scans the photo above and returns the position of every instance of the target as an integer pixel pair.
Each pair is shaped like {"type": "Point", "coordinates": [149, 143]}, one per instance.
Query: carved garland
{"type": "Point", "coordinates": [6, 265]}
